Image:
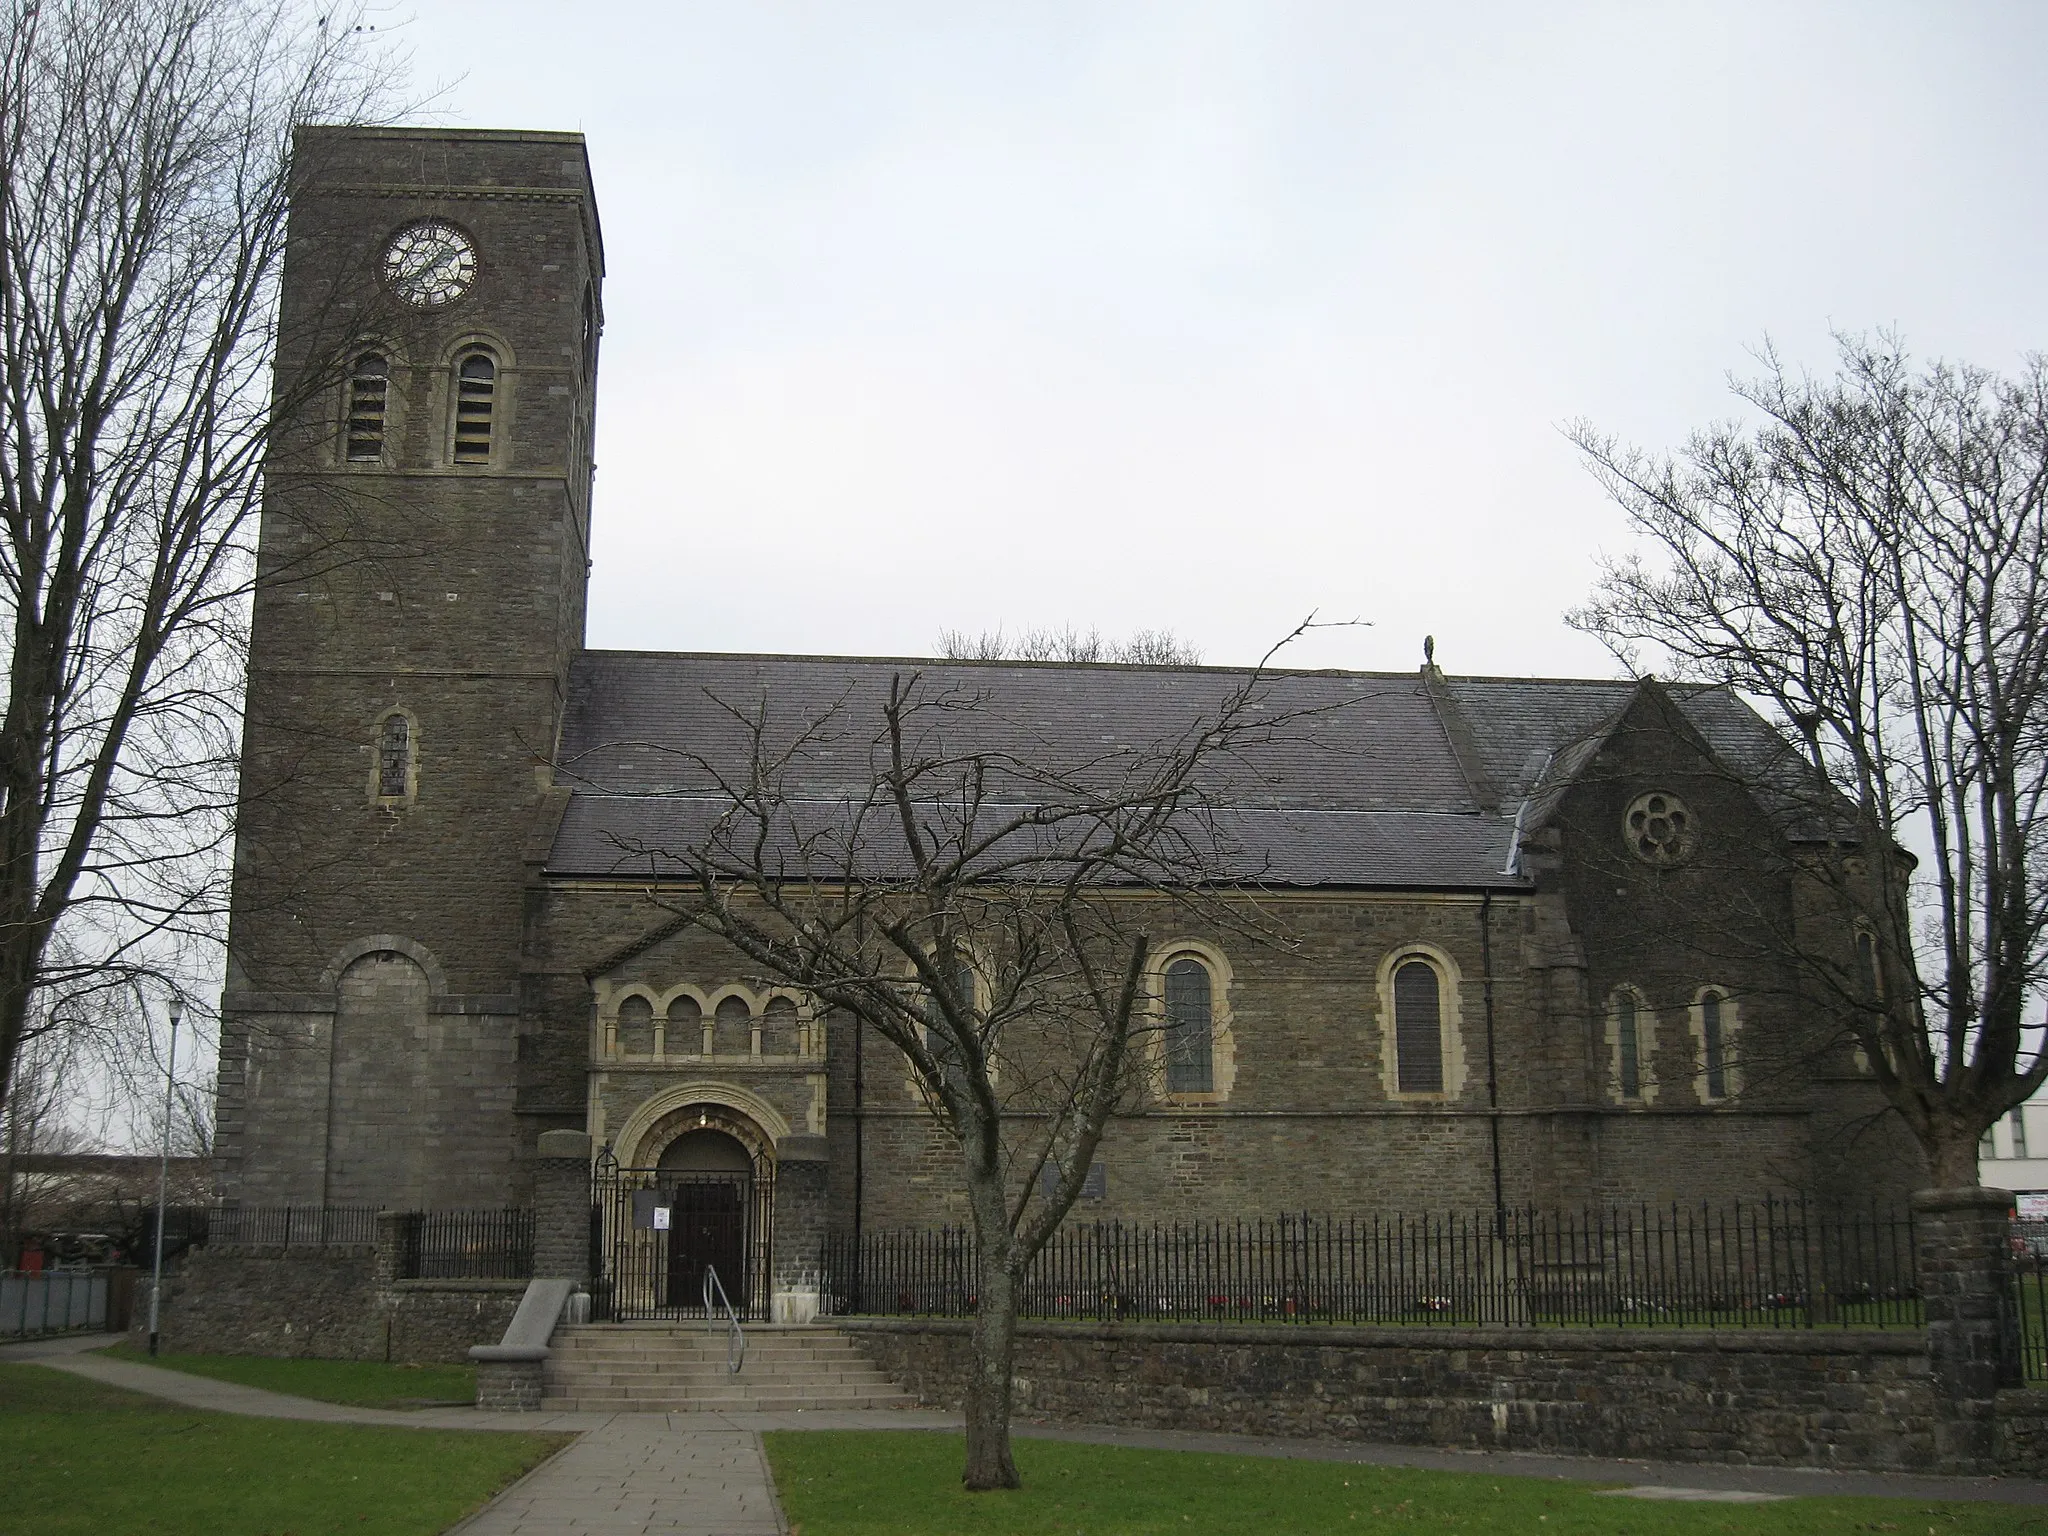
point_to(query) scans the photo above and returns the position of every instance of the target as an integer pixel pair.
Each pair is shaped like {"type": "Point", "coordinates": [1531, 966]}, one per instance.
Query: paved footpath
{"type": "Point", "coordinates": [704, 1474]}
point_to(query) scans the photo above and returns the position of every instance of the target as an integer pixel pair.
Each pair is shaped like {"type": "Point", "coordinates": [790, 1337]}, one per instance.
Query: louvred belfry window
{"type": "Point", "coordinates": [476, 390]}
{"type": "Point", "coordinates": [369, 398]}
{"type": "Point", "coordinates": [394, 758]}
{"type": "Point", "coordinates": [1418, 1028]}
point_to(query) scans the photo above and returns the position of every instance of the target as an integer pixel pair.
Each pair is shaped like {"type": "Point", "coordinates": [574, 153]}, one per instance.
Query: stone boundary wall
{"type": "Point", "coordinates": [1819, 1398]}
{"type": "Point", "coordinates": [2022, 1449]}
{"type": "Point", "coordinates": [329, 1303]}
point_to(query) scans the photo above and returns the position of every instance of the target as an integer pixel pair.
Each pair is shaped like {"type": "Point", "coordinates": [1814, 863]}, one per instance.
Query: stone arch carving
{"type": "Point", "coordinates": [705, 1116]}
{"type": "Point", "coordinates": [659, 1118]}
{"type": "Point", "coordinates": [478, 338]}
{"type": "Point", "coordinates": [696, 995]}
{"type": "Point", "coordinates": [412, 949]}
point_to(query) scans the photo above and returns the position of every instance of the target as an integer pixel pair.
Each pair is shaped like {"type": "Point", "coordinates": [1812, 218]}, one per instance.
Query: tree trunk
{"type": "Point", "coordinates": [989, 1464]}
{"type": "Point", "coordinates": [1951, 1159]}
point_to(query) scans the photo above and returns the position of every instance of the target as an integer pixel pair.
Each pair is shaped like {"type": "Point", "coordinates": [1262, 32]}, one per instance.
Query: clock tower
{"type": "Point", "coordinates": [421, 571]}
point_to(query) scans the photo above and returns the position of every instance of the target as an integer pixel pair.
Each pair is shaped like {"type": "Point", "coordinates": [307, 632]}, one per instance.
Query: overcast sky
{"type": "Point", "coordinates": [1201, 317]}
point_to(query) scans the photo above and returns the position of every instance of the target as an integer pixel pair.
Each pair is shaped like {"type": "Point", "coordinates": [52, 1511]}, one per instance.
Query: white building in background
{"type": "Point", "coordinates": [2014, 1156]}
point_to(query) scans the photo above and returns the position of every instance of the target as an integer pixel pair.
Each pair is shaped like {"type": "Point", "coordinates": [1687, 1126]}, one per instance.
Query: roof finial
{"type": "Point", "coordinates": [1429, 650]}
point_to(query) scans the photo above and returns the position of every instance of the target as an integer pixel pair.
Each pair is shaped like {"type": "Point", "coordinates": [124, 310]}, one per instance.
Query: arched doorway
{"type": "Point", "coordinates": [698, 1196]}
{"type": "Point", "coordinates": [707, 1177]}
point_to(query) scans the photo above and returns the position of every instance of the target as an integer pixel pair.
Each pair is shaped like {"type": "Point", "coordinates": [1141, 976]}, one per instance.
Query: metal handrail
{"type": "Point", "coordinates": [736, 1338]}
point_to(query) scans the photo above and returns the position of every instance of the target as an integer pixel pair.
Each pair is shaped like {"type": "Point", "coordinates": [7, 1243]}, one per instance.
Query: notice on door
{"type": "Point", "coordinates": [649, 1214]}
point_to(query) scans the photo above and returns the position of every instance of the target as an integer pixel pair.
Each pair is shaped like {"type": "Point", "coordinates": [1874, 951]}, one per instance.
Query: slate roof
{"type": "Point", "coordinates": [1359, 787]}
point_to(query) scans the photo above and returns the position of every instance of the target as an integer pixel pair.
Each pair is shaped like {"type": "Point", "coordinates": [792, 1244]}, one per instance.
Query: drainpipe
{"type": "Point", "coordinates": [860, 1124]}
{"type": "Point", "coordinates": [1500, 1212]}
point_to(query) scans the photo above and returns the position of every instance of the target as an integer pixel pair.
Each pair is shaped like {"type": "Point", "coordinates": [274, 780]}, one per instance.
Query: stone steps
{"type": "Point", "coordinates": [681, 1367]}
{"type": "Point", "coordinates": [807, 1402]}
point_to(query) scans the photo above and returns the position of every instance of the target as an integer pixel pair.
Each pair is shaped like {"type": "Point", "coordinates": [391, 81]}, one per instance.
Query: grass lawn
{"type": "Point", "coordinates": [907, 1482]}
{"type": "Point", "coordinates": [359, 1383]}
{"type": "Point", "coordinates": [81, 1459]}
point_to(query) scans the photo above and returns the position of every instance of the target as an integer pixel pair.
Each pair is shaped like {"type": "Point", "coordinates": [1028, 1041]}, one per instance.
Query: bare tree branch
{"type": "Point", "coordinates": [1869, 560]}
{"type": "Point", "coordinates": [989, 910]}
{"type": "Point", "coordinates": [146, 149]}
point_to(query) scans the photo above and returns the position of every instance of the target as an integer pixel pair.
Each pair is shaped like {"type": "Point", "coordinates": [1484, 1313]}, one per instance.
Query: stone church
{"type": "Point", "coordinates": [1542, 924]}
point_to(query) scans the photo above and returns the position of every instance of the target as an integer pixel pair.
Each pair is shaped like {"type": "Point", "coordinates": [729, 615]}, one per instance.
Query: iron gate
{"type": "Point", "coordinates": [653, 1232]}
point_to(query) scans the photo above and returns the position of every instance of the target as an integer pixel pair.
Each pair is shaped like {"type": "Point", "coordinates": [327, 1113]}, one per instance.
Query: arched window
{"type": "Point", "coordinates": [1418, 1028]}
{"type": "Point", "coordinates": [394, 758]}
{"type": "Point", "coordinates": [1714, 1044]}
{"type": "Point", "coordinates": [1869, 975]}
{"type": "Point", "coordinates": [735, 1032]}
{"type": "Point", "coordinates": [476, 389]}
{"type": "Point", "coordinates": [1190, 1028]}
{"type": "Point", "coordinates": [686, 1026]}
{"type": "Point", "coordinates": [636, 1026]}
{"type": "Point", "coordinates": [369, 398]}
{"type": "Point", "coordinates": [1628, 1043]}
{"type": "Point", "coordinates": [779, 1028]}
{"type": "Point", "coordinates": [938, 1036]}
{"type": "Point", "coordinates": [1631, 1047]}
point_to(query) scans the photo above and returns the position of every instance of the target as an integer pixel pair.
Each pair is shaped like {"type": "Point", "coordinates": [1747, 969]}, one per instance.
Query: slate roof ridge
{"type": "Point", "coordinates": [1238, 669]}
{"type": "Point", "coordinates": [706, 795]}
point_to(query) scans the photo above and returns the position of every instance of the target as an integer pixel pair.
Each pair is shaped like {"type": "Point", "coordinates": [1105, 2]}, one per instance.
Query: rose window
{"type": "Point", "coordinates": [1659, 829]}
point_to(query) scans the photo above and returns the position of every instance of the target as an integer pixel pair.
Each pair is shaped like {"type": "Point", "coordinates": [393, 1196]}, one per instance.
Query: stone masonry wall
{"type": "Point", "coordinates": [2021, 1446]}
{"type": "Point", "coordinates": [1308, 1123]}
{"type": "Point", "coordinates": [229, 1299]}
{"type": "Point", "coordinates": [1820, 1399]}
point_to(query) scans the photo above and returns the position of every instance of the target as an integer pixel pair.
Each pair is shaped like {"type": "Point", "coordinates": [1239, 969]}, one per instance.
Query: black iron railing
{"type": "Point", "coordinates": [293, 1226]}
{"type": "Point", "coordinates": [2030, 1265]}
{"type": "Point", "coordinates": [466, 1245]}
{"type": "Point", "coordinates": [1767, 1264]}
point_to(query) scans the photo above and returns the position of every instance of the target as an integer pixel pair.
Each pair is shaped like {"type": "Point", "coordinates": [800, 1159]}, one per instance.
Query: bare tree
{"type": "Point", "coordinates": [1146, 647]}
{"type": "Point", "coordinates": [146, 160]}
{"type": "Point", "coordinates": [1867, 558]}
{"type": "Point", "coordinates": [987, 903]}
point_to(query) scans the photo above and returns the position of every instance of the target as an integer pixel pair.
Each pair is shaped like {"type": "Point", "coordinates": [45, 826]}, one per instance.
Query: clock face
{"type": "Point", "coordinates": [430, 263]}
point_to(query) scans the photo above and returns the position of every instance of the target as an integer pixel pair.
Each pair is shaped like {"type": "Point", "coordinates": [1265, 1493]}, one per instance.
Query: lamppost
{"type": "Point", "coordinates": [163, 1172]}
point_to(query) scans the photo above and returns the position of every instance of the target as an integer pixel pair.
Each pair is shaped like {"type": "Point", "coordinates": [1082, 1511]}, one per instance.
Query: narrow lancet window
{"type": "Point", "coordinates": [1628, 1038]}
{"type": "Point", "coordinates": [1714, 1044]}
{"type": "Point", "coordinates": [1418, 1028]}
{"type": "Point", "coordinates": [1190, 1066]}
{"type": "Point", "coordinates": [476, 389]}
{"type": "Point", "coordinates": [394, 758]}
{"type": "Point", "coordinates": [369, 398]}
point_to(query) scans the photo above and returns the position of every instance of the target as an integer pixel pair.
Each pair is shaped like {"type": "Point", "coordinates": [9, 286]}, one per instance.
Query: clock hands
{"type": "Point", "coordinates": [431, 264]}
